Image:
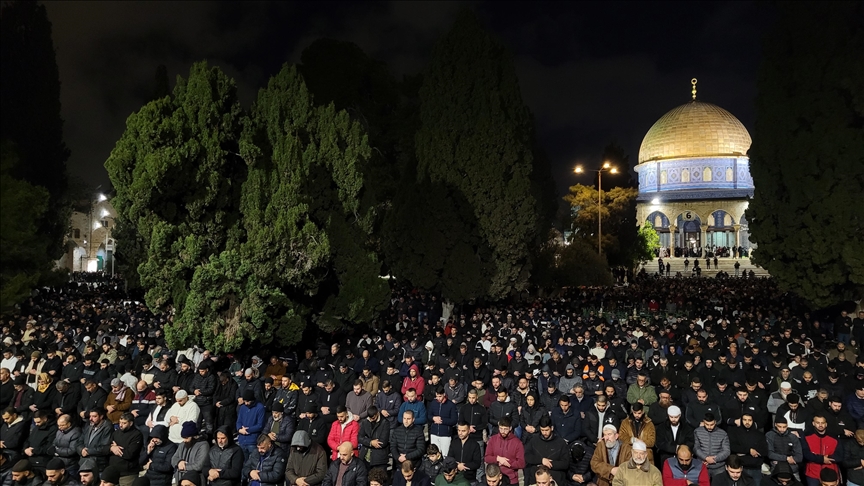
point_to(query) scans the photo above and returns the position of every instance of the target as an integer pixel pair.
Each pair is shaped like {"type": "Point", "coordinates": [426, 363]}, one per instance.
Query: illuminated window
{"type": "Point", "coordinates": [662, 177]}
{"type": "Point", "coordinates": [729, 174]}
{"type": "Point", "coordinates": [706, 174]}
{"type": "Point", "coordinates": [685, 175]}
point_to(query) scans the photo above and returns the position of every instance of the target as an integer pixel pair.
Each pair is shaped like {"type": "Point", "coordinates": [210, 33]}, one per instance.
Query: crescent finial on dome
{"type": "Point", "coordinates": [693, 82]}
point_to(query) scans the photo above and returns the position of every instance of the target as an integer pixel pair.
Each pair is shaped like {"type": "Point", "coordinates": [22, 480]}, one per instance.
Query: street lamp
{"type": "Point", "coordinates": [607, 167]}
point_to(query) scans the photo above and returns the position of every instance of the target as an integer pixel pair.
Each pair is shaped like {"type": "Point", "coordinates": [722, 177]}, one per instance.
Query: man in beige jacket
{"type": "Point", "coordinates": [638, 471]}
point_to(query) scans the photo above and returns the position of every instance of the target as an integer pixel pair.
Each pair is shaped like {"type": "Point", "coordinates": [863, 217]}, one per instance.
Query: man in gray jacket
{"type": "Point", "coordinates": [95, 440]}
{"type": "Point", "coordinates": [66, 444]}
{"type": "Point", "coordinates": [712, 444]}
{"type": "Point", "coordinates": [784, 446]}
{"type": "Point", "coordinates": [192, 455]}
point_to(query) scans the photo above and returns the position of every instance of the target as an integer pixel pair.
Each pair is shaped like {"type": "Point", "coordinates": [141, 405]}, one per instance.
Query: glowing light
{"type": "Point", "coordinates": [105, 213]}
{"type": "Point", "coordinates": [103, 197]}
{"type": "Point", "coordinates": [614, 170]}
{"type": "Point", "coordinates": [578, 169]}
{"type": "Point", "coordinates": [655, 201]}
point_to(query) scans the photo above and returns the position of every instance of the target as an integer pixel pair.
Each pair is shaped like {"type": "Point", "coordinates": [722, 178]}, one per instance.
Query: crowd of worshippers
{"type": "Point", "coordinates": [729, 390]}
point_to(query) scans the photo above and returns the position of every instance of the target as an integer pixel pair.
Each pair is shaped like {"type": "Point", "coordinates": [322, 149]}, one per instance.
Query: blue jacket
{"type": "Point", "coordinates": [568, 425]}
{"type": "Point", "coordinates": [253, 419]}
{"type": "Point", "coordinates": [419, 411]}
{"type": "Point", "coordinates": [449, 417]}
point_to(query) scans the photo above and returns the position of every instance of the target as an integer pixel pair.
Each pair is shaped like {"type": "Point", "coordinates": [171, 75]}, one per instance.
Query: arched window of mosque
{"type": "Point", "coordinates": [662, 177]}
{"type": "Point", "coordinates": [729, 174]}
{"type": "Point", "coordinates": [658, 221]}
{"type": "Point", "coordinates": [711, 220]}
{"type": "Point", "coordinates": [727, 220]}
{"type": "Point", "coordinates": [706, 174]}
{"type": "Point", "coordinates": [685, 175]}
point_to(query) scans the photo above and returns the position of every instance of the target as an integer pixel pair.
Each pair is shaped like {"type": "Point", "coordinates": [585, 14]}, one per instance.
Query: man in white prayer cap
{"type": "Point", "coordinates": [638, 471]}
{"type": "Point", "coordinates": [671, 434]}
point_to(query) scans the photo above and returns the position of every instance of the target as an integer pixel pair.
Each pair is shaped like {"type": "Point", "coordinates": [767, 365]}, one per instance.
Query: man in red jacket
{"type": "Point", "coordinates": [342, 430]}
{"type": "Point", "coordinates": [505, 450]}
{"type": "Point", "coordinates": [683, 470]}
{"type": "Point", "coordinates": [821, 451]}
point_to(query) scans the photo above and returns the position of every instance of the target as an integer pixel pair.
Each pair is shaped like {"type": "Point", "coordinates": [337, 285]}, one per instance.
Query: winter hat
{"type": "Point", "coordinates": [248, 395]}
{"type": "Point", "coordinates": [111, 475]}
{"type": "Point", "coordinates": [278, 407]}
{"type": "Point", "coordinates": [616, 374]}
{"type": "Point", "coordinates": [22, 466]}
{"type": "Point", "coordinates": [55, 464]}
{"type": "Point", "coordinates": [189, 429]}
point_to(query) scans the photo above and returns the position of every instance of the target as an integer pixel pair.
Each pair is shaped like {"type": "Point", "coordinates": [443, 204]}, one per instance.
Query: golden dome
{"type": "Point", "coordinates": [695, 129]}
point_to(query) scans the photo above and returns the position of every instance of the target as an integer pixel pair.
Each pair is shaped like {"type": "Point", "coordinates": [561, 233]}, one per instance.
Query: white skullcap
{"type": "Point", "coordinates": [638, 445]}
{"type": "Point", "coordinates": [673, 411]}
{"type": "Point", "coordinates": [180, 394]}
{"type": "Point", "coordinates": [786, 384]}
{"type": "Point", "coordinates": [610, 427]}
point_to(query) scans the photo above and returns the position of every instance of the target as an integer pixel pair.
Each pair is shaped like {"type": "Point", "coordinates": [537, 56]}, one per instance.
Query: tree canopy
{"type": "Point", "coordinates": [807, 159]}
{"type": "Point", "coordinates": [476, 139]}
{"type": "Point", "coordinates": [24, 257]}
{"type": "Point", "coordinates": [30, 112]}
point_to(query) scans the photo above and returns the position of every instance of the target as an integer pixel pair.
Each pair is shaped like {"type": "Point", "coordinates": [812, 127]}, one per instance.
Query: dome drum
{"type": "Point", "coordinates": [695, 173]}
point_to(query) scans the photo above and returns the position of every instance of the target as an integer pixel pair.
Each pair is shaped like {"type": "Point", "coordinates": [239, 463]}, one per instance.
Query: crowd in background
{"type": "Point", "coordinates": [666, 382]}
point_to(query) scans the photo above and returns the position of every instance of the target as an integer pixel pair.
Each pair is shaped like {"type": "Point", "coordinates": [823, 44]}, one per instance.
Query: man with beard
{"type": "Point", "coordinates": [547, 449]}
{"type": "Point", "coordinates": [126, 446]}
{"type": "Point", "coordinates": [307, 464]}
{"type": "Point", "coordinates": [388, 401]}
{"type": "Point", "coordinates": [312, 423]}
{"type": "Point", "coordinates": [779, 397]}
{"type": "Point", "coordinates": [506, 450]}
{"type": "Point", "coordinates": [711, 444]}
{"type": "Point", "coordinates": [657, 412]}
{"type": "Point", "coordinates": [192, 455]}
{"type": "Point", "coordinates": [56, 474]}
{"type": "Point", "coordinates": [784, 448]}
{"type": "Point", "coordinates": [821, 450]}
{"type": "Point", "coordinates": [466, 451]}
{"type": "Point", "coordinates": [279, 427]}
{"type": "Point", "coordinates": [740, 405]}
{"type": "Point", "coordinates": [39, 446]}
{"type": "Point", "coordinates": [267, 467]}
{"type": "Point", "coordinates": [609, 455]}
{"type": "Point", "coordinates": [638, 471]}
{"type": "Point", "coordinates": [638, 426]}
{"type": "Point", "coordinates": [683, 470]}
{"type": "Point", "coordinates": [697, 410]}
{"type": "Point", "coordinates": [841, 425]}
{"type": "Point", "coordinates": [748, 443]}
{"type": "Point", "coordinates": [24, 475]}
{"type": "Point", "coordinates": [797, 416]}
{"type": "Point", "coordinates": [596, 418]}
{"type": "Point", "coordinates": [88, 474]}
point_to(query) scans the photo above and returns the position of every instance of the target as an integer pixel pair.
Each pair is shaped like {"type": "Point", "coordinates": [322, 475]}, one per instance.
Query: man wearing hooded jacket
{"type": "Point", "coordinates": [546, 448]}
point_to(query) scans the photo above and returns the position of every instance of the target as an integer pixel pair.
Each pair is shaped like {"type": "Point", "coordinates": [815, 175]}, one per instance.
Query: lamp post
{"type": "Point", "coordinates": [606, 167]}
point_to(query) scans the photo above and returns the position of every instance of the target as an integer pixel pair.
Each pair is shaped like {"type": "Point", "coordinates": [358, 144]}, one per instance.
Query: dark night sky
{"type": "Point", "coordinates": [590, 72]}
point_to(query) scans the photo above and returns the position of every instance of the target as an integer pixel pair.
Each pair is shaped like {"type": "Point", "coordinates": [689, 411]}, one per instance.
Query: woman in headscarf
{"type": "Point", "coordinates": [43, 399]}
{"type": "Point", "coordinates": [530, 415]}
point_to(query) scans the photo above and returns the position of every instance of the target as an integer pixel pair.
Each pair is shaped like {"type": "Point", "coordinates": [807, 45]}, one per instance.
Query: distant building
{"type": "Point", "coordinates": [89, 244]}
{"type": "Point", "coordinates": [694, 179]}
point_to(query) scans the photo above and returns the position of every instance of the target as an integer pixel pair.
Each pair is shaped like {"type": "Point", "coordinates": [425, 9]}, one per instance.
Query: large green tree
{"type": "Point", "coordinates": [615, 209]}
{"type": "Point", "coordinates": [177, 173]}
{"type": "Point", "coordinates": [807, 159]}
{"type": "Point", "coordinates": [477, 138]}
{"type": "Point", "coordinates": [24, 257]}
{"type": "Point", "coordinates": [30, 112]}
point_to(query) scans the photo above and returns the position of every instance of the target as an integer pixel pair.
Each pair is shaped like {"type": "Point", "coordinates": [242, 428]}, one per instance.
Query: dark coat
{"type": "Point", "coordinates": [66, 445]}
{"type": "Point", "coordinates": [554, 449]}
{"type": "Point", "coordinates": [270, 466]}
{"type": "Point", "coordinates": [132, 442]}
{"type": "Point", "coordinates": [41, 439]}
{"type": "Point", "coordinates": [89, 401]}
{"type": "Point", "coordinates": [356, 475]}
{"type": "Point", "coordinates": [229, 460]}
{"type": "Point", "coordinates": [667, 445]}
{"type": "Point", "coordinates": [160, 470]}
{"type": "Point", "coordinates": [408, 441]}
{"type": "Point", "coordinates": [467, 453]}
{"type": "Point", "coordinates": [369, 431]}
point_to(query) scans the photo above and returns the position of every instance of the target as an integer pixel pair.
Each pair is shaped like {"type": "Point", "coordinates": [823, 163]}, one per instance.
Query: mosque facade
{"type": "Point", "coordinates": [694, 180]}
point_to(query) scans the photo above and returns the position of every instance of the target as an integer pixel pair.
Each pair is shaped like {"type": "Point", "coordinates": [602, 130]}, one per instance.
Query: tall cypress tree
{"type": "Point", "coordinates": [30, 111]}
{"type": "Point", "coordinates": [808, 152]}
{"type": "Point", "coordinates": [476, 137]}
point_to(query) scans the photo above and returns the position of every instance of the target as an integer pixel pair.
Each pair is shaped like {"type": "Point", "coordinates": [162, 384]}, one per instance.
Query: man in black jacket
{"type": "Point", "coordinates": [13, 432]}
{"type": "Point", "coordinates": [546, 448]}
{"type": "Point", "coordinates": [156, 457]}
{"type": "Point", "coordinates": [673, 433]}
{"type": "Point", "coordinates": [407, 442]}
{"type": "Point", "coordinates": [748, 442]}
{"type": "Point", "coordinates": [39, 447]}
{"type": "Point", "coordinates": [374, 439]}
{"type": "Point", "coordinates": [267, 467]}
{"type": "Point", "coordinates": [93, 397]}
{"type": "Point", "coordinates": [466, 451]}
{"type": "Point", "coordinates": [355, 472]}
{"type": "Point", "coordinates": [203, 387]}
{"type": "Point", "coordinates": [474, 414]}
{"type": "Point", "coordinates": [226, 460]}
{"type": "Point", "coordinates": [126, 445]}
